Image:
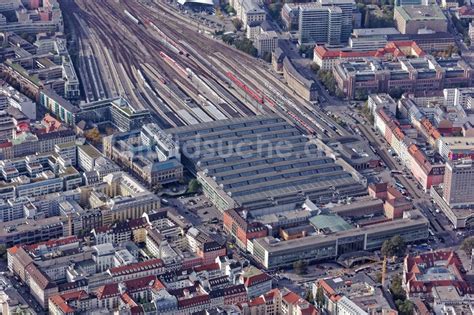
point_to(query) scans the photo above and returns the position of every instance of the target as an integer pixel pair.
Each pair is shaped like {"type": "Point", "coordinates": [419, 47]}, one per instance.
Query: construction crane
{"type": "Point", "coordinates": [384, 270]}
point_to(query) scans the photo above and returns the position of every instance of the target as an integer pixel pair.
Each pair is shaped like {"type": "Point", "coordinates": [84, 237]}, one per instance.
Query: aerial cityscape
{"type": "Point", "coordinates": [237, 157]}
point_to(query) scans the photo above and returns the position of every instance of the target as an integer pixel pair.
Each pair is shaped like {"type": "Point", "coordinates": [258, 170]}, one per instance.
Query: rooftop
{"type": "Point", "coordinates": [421, 12]}
{"type": "Point", "coordinates": [411, 218]}
{"type": "Point", "coordinates": [329, 222]}
{"type": "Point", "coordinates": [246, 159]}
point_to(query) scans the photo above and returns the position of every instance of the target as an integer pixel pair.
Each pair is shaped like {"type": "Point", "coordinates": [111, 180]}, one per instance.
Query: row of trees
{"type": "Point", "coordinates": [404, 306]}
{"type": "Point", "coordinates": [327, 78]}
{"type": "Point", "coordinates": [377, 18]}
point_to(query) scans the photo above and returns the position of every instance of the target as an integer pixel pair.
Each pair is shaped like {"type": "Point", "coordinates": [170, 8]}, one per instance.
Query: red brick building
{"type": "Point", "coordinates": [423, 272]}
{"type": "Point", "coordinates": [236, 226]}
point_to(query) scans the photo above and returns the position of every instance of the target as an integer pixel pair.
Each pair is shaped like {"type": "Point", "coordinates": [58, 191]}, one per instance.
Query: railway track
{"type": "Point", "coordinates": [309, 118]}
{"type": "Point", "coordinates": [173, 50]}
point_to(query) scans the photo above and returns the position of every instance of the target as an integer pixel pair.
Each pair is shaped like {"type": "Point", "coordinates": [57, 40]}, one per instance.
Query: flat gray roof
{"type": "Point", "coordinates": [274, 246]}
{"type": "Point", "coordinates": [261, 158]}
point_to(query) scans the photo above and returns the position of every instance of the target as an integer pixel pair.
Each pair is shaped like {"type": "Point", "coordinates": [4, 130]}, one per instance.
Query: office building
{"type": "Point", "coordinates": [320, 24]}
{"type": "Point", "coordinates": [326, 58]}
{"type": "Point", "coordinates": [333, 241]}
{"type": "Point", "coordinates": [266, 42]}
{"type": "Point", "coordinates": [36, 19]}
{"type": "Point", "coordinates": [412, 19]}
{"type": "Point", "coordinates": [370, 38]}
{"type": "Point", "coordinates": [28, 231]}
{"type": "Point", "coordinates": [458, 188]}
{"type": "Point", "coordinates": [346, 7]}
{"type": "Point", "coordinates": [117, 112]}
{"type": "Point", "coordinates": [456, 148]}
{"type": "Point", "coordinates": [10, 97]}
{"type": "Point", "coordinates": [413, 75]}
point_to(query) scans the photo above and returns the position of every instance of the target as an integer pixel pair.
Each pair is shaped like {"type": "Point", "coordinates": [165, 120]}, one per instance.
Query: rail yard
{"type": "Point", "coordinates": [183, 82]}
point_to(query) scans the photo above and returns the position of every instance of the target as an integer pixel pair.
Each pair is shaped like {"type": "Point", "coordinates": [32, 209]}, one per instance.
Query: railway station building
{"type": "Point", "coordinates": [261, 163]}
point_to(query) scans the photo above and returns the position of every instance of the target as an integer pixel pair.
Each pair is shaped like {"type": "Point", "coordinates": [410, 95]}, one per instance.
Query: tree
{"type": "Point", "coordinates": [309, 296]}
{"type": "Point", "coordinates": [328, 80]}
{"type": "Point", "coordinates": [246, 45]}
{"type": "Point", "coordinates": [229, 9]}
{"type": "Point", "coordinates": [237, 24]}
{"type": "Point", "coordinates": [93, 135]}
{"type": "Point", "coordinates": [301, 267]}
{"type": "Point", "coordinates": [339, 93]}
{"type": "Point", "coordinates": [396, 92]}
{"type": "Point", "coordinates": [320, 297]}
{"type": "Point", "coordinates": [315, 68]}
{"type": "Point", "coordinates": [394, 247]}
{"type": "Point", "coordinates": [274, 9]}
{"type": "Point", "coordinates": [404, 307]}
{"type": "Point", "coordinates": [396, 288]}
{"type": "Point", "coordinates": [228, 39]}
{"type": "Point", "coordinates": [467, 245]}
{"type": "Point", "coordinates": [193, 185]}
{"type": "Point", "coordinates": [307, 51]}
{"type": "Point", "coordinates": [267, 56]}
{"type": "Point", "coordinates": [360, 95]}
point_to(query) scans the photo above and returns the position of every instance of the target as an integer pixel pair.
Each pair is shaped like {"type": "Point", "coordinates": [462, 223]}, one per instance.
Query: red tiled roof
{"type": "Point", "coordinates": [292, 298]}
{"type": "Point", "coordinates": [420, 158]}
{"type": "Point", "coordinates": [430, 129]}
{"type": "Point", "coordinates": [326, 287]}
{"type": "Point", "coordinates": [272, 293]}
{"type": "Point", "coordinates": [257, 301]}
{"type": "Point", "coordinates": [6, 144]}
{"type": "Point", "coordinates": [128, 300]}
{"type": "Point", "coordinates": [256, 279]}
{"type": "Point", "coordinates": [61, 304]}
{"type": "Point", "coordinates": [193, 301]}
{"type": "Point", "coordinates": [75, 295]}
{"type": "Point", "coordinates": [393, 48]}
{"type": "Point", "coordinates": [51, 122]}
{"type": "Point", "coordinates": [140, 284]}
{"type": "Point", "coordinates": [137, 267]}
{"type": "Point", "coordinates": [323, 53]}
{"type": "Point", "coordinates": [399, 134]}
{"type": "Point", "coordinates": [107, 291]}
{"type": "Point", "coordinates": [53, 243]}
{"type": "Point", "coordinates": [14, 249]}
{"type": "Point", "coordinates": [41, 279]}
{"type": "Point", "coordinates": [158, 285]}
{"type": "Point", "coordinates": [466, 10]}
{"type": "Point", "coordinates": [208, 267]}
{"type": "Point", "coordinates": [428, 260]}
{"type": "Point", "coordinates": [309, 310]}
